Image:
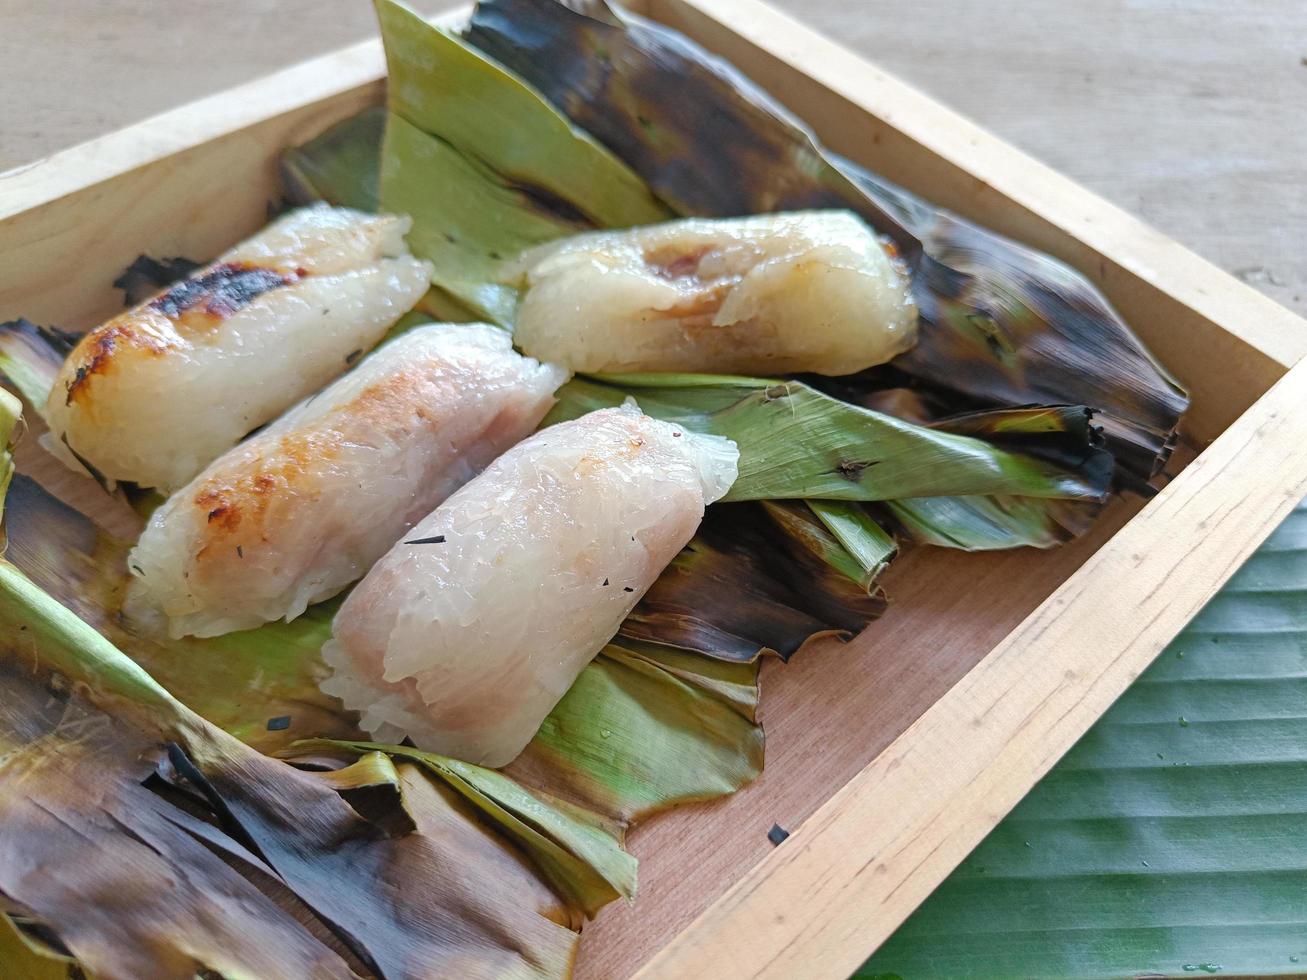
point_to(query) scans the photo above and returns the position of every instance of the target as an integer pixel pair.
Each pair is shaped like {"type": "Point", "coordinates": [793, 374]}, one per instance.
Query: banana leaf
{"type": "Point", "coordinates": [870, 546]}
{"type": "Point", "coordinates": [607, 744]}
{"type": "Point", "coordinates": [575, 849]}
{"type": "Point", "coordinates": [758, 579]}
{"type": "Point", "coordinates": [486, 166]}
{"type": "Point", "coordinates": [28, 957]}
{"type": "Point", "coordinates": [196, 853]}
{"type": "Point", "coordinates": [1172, 839]}
{"type": "Point", "coordinates": [30, 358]}
{"type": "Point", "coordinates": [1001, 325]}
{"type": "Point", "coordinates": [341, 165]}
{"type": "Point", "coordinates": [798, 442]}
{"type": "Point", "coordinates": [980, 523]}
{"type": "Point", "coordinates": [972, 523]}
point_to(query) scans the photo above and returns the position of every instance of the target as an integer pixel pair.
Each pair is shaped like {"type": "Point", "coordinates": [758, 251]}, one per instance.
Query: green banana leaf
{"type": "Point", "coordinates": [970, 523]}
{"type": "Point", "coordinates": [977, 523]}
{"type": "Point", "coordinates": [1172, 839]}
{"type": "Point", "coordinates": [485, 166]}
{"type": "Point", "coordinates": [607, 744]}
{"type": "Point", "coordinates": [30, 358]}
{"type": "Point", "coordinates": [798, 442]}
{"type": "Point", "coordinates": [341, 165]}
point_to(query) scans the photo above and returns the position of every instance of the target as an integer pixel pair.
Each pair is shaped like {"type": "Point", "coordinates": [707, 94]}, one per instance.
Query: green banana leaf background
{"type": "Point", "coordinates": [1172, 839]}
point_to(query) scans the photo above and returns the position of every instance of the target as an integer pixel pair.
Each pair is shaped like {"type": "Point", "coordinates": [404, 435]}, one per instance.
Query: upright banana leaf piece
{"type": "Point", "coordinates": [97, 759]}
{"type": "Point", "coordinates": [486, 166]}
{"type": "Point", "coordinates": [1001, 324]}
{"type": "Point", "coordinates": [987, 523]}
{"type": "Point", "coordinates": [862, 537]}
{"type": "Point", "coordinates": [341, 165]}
{"type": "Point", "coordinates": [1172, 839]}
{"type": "Point", "coordinates": [797, 442]}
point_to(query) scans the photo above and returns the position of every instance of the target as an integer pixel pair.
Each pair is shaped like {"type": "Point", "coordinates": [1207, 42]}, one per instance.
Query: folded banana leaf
{"type": "Point", "coordinates": [646, 727]}
{"type": "Point", "coordinates": [798, 442]}
{"type": "Point", "coordinates": [1172, 839]}
{"type": "Point", "coordinates": [980, 523]}
{"type": "Point", "coordinates": [1002, 325]}
{"type": "Point", "coordinates": [759, 579]}
{"type": "Point", "coordinates": [485, 166]}
{"type": "Point", "coordinates": [575, 849]}
{"type": "Point", "coordinates": [968, 523]}
{"type": "Point", "coordinates": [341, 165]}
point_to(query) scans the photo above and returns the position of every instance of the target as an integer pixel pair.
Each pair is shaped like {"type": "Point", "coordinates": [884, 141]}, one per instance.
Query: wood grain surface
{"type": "Point", "coordinates": [1186, 113]}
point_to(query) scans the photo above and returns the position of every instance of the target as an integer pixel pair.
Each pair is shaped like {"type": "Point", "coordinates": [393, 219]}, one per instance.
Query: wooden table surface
{"type": "Point", "coordinates": [1188, 113]}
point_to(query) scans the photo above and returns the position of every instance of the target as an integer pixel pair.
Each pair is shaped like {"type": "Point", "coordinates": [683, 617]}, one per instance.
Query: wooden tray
{"type": "Point", "coordinates": [892, 757]}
